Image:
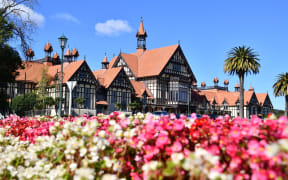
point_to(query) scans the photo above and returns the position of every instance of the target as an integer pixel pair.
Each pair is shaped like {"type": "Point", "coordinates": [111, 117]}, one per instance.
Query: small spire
{"type": "Point", "coordinates": [178, 42]}
{"type": "Point", "coordinates": [105, 62]}
{"type": "Point", "coordinates": [141, 30]}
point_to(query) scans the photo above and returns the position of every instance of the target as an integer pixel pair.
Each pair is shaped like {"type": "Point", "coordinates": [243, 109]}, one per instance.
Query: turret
{"type": "Point", "coordinates": [141, 38]}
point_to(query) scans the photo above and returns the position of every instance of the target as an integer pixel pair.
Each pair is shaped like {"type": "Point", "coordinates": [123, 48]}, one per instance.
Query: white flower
{"type": "Point", "coordinates": [177, 157]}
{"type": "Point", "coordinates": [116, 166]}
{"type": "Point", "coordinates": [84, 173]}
{"type": "Point", "coordinates": [102, 134]}
{"type": "Point", "coordinates": [122, 116]}
{"type": "Point", "coordinates": [57, 124]}
{"type": "Point", "coordinates": [73, 166]}
{"type": "Point", "coordinates": [109, 177]}
{"type": "Point", "coordinates": [52, 130]}
{"type": "Point", "coordinates": [83, 152]}
{"type": "Point", "coordinates": [272, 149]}
{"type": "Point", "coordinates": [153, 165]}
{"type": "Point", "coordinates": [108, 162]}
{"type": "Point", "coordinates": [214, 175]}
{"type": "Point", "coordinates": [119, 134]}
{"type": "Point", "coordinates": [283, 144]}
{"type": "Point", "coordinates": [112, 122]}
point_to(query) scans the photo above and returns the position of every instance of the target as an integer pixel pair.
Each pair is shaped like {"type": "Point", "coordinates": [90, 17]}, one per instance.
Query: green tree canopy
{"type": "Point", "coordinates": [281, 88]}
{"type": "Point", "coordinates": [242, 61]}
{"type": "Point", "coordinates": [24, 102]}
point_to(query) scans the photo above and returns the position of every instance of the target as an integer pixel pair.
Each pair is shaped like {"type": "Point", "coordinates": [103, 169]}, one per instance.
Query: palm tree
{"type": "Point", "coordinates": [281, 88]}
{"type": "Point", "coordinates": [242, 61]}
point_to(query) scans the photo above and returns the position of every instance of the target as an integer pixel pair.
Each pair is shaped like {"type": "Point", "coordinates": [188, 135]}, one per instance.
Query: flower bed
{"type": "Point", "coordinates": [143, 147]}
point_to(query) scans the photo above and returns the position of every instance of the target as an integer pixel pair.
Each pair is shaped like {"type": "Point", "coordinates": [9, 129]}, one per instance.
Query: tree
{"type": "Point", "coordinates": [19, 14]}
{"type": "Point", "coordinates": [136, 104]}
{"type": "Point", "coordinates": [118, 106]}
{"type": "Point", "coordinates": [281, 89]}
{"type": "Point", "coordinates": [24, 102]}
{"type": "Point", "coordinates": [242, 61]}
{"type": "Point", "coordinates": [10, 61]}
{"type": "Point", "coordinates": [80, 102]}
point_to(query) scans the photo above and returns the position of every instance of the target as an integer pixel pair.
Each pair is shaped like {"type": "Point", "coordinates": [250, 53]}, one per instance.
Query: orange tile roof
{"type": "Point", "coordinates": [30, 53]}
{"type": "Point", "coordinates": [68, 53]}
{"type": "Point", "coordinates": [261, 98]}
{"type": "Point", "coordinates": [105, 60]}
{"type": "Point", "coordinates": [34, 69]}
{"type": "Point", "coordinates": [48, 47]}
{"type": "Point", "coordinates": [203, 83]}
{"type": "Point", "coordinates": [102, 103]}
{"type": "Point", "coordinates": [140, 88]}
{"type": "Point", "coordinates": [55, 56]}
{"type": "Point", "coordinates": [150, 63]}
{"type": "Point", "coordinates": [153, 61]}
{"type": "Point", "coordinates": [141, 31]}
{"type": "Point", "coordinates": [215, 80]}
{"type": "Point", "coordinates": [75, 52]}
{"type": "Point", "coordinates": [230, 97]}
{"type": "Point", "coordinates": [33, 72]}
{"type": "Point", "coordinates": [107, 76]}
{"type": "Point", "coordinates": [132, 62]}
{"type": "Point", "coordinates": [112, 62]}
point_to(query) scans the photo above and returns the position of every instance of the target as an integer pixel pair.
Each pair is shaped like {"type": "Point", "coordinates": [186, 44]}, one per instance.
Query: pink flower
{"type": "Point", "coordinates": [253, 147]}
{"type": "Point", "coordinates": [178, 125]}
{"type": "Point", "coordinates": [256, 175]}
{"type": "Point", "coordinates": [162, 140]}
{"type": "Point", "coordinates": [135, 176]}
{"type": "Point", "coordinates": [176, 147]}
{"type": "Point", "coordinates": [235, 163]}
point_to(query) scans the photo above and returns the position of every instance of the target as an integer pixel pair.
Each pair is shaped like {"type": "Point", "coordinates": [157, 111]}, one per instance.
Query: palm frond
{"type": "Point", "coordinates": [242, 60]}
{"type": "Point", "coordinates": [281, 85]}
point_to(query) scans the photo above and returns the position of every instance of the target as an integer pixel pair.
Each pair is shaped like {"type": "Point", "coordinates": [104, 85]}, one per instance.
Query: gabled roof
{"type": "Point", "coordinates": [261, 98]}
{"type": "Point", "coordinates": [150, 63]}
{"type": "Point", "coordinates": [140, 88]}
{"type": "Point", "coordinates": [230, 97]}
{"type": "Point", "coordinates": [106, 76]}
{"type": "Point", "coordinates": [132, 62]}
{"type": "Point", "coordinates": [34, 69]}
{"type": "Point", "coordinates": [33, 72]}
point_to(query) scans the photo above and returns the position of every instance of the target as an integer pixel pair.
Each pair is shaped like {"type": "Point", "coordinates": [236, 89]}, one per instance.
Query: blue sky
{"type": "Point", "coordinates": [207, 29]}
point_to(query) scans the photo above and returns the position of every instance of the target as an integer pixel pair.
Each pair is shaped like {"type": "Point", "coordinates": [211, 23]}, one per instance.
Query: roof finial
{"type": "Point", "coordinates": [178, 42]}
{"type": "Point", "coordinates": [105, 53]}
{"type": "Point", "coordinates": [84, 57]}
{"type": "Point", "coordinates": [141, 18]}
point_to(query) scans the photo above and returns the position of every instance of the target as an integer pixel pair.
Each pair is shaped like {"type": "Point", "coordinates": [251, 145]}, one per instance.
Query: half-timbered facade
{"type": "Point", "coordinates": [222, 101]}
{"type": "Point", "coordinates": [115, 91]}
{"type": "Point", "coordinates": [28, 79]}
{"type": "Point", "coordinates": [164, 71]}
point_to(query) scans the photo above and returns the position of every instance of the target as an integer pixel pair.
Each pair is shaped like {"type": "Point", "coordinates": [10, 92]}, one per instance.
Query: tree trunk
{"type": "Point", "coordinates": [241, 79]}
{"type": "Point", "coordinates": [286, 105]}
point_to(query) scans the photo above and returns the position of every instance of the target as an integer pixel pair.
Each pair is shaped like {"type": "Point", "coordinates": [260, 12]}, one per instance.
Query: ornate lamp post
{"type": "Point", "coordinates": [62, 41]}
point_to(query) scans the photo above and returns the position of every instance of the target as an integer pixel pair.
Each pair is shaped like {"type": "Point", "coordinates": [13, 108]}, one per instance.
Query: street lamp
{"type": "Point", "coordinates": [62, 42]}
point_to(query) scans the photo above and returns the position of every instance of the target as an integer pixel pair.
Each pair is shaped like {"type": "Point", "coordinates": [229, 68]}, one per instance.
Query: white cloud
{"type": "Point", "coordinates": [24, 12]}
{"type": "Point", "coordinates": [67, 17]}
{"type": "Point", "coordinates": [112, 27]}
